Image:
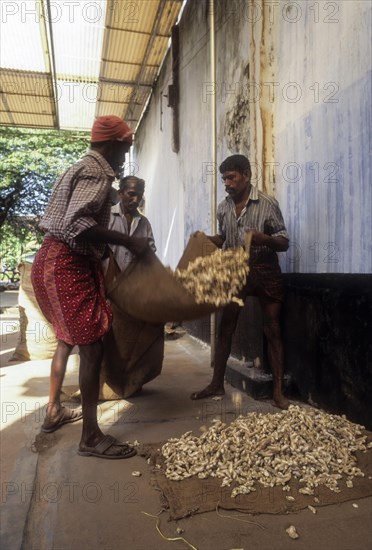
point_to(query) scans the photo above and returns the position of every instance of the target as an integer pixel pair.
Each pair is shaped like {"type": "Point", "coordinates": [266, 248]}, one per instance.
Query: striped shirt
{"type": "Point", "coordinates": [140, 227]}
{"type": "Point", "coordinates": [261, 213]}
{"type": "Point", "coordinates": [80, 200]}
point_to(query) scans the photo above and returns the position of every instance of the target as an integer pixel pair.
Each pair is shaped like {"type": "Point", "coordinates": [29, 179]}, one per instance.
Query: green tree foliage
{"type": "Point", "coordinates": [17, 242]}
{"type": "Point", "coordinates": [30, 162]}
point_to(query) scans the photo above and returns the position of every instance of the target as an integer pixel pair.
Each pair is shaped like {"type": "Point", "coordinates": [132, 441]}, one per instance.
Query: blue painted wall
{"type": "Point", "coordinates": [323, 136]}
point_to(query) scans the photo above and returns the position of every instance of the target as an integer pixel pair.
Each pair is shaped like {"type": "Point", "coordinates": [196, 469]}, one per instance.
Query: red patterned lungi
{"type": "Point", "coordinates": [69, 289]}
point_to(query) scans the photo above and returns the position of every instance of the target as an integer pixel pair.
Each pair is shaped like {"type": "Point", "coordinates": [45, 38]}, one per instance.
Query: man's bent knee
{"type": "Point", "coordinates": [272, 329]}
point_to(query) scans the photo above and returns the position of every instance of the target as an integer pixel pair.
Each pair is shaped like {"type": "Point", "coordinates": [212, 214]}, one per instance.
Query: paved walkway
{"type": "Point", "coordinates": [54, 499]}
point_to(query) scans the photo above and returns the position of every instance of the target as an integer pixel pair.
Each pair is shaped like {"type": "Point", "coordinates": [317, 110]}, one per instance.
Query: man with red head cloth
{"type": "Point", "coordinates": [68, 281]}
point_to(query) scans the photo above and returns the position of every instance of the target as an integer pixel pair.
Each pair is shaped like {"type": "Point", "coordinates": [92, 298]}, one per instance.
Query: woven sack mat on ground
{"type": "Point", "coordinates": [194, 496]}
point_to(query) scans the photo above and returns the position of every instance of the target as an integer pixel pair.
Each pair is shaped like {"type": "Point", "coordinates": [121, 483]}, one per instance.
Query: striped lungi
{"type": "Point", "coordinates": [69, 289]}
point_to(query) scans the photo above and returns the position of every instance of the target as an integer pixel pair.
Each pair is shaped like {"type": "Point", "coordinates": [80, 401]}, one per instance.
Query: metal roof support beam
{"type": "Point", "coordinates": [131, 31]}
{"type": "Point", "coordinates": [52, 59]}
{"type": "Point", "coordinates": [125, 83]}
{"type": "Point", "coordinates": [129, 63]}
{"type": "Point", "coordinates": [153, 35]}
{"type": "Point", "coordinates": [214, 156]}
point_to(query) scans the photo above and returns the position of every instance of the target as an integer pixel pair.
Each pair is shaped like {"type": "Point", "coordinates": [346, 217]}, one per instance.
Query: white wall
{"type": "Point", "coordinates": [159, 166]}
{"type": "Point", "coordinates": [309, 63]}
{"type": "Point", "coordinates": [323, 135]}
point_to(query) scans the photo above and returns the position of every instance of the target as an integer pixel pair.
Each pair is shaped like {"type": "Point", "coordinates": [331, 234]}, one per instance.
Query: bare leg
{"type": "Point", "coordinates": [92, 437]}
{"type": "Point", "coordinates": [57, 375]}
{"type": "Point", "coordinates": [56, 414]}
{"type": "Point", "coordinates": [275, 351]}
{"type": "Point", "coordinates": [226, 331]}
{"type": "Point", "coordinates": [90, 366]}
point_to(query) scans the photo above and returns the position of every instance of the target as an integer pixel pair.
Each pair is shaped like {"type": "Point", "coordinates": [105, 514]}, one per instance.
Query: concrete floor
{"type": "Point", "coordinates": [54, 499]}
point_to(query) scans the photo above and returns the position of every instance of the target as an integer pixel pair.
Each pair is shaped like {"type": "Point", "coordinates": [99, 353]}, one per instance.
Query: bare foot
{"type": "Point", "coordinates": [281, 402]}
{"type": "Point", "coordinates": [209, 391]}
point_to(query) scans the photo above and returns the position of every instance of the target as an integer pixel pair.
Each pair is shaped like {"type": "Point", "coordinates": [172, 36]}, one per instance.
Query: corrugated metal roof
{"type": "Point", "coordinates": [63, 63]}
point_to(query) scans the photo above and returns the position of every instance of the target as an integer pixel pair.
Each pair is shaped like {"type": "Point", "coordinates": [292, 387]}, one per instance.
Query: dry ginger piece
{"type": "Point", "coordinates": [301, 444]}
{"type": "Point", "coordinates": [217, 278]}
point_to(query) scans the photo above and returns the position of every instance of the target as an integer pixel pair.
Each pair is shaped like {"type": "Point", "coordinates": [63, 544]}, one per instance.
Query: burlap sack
{"type": "Point", "coordinates": [36, 336]}
{"type": "Point", "coordinates": [198, 245]}
{"type": "Point", "coordinates": [133, 354]}
{"type": "Point", "coordinates": [133, 350]}
{"type": "Point", "coordinates": [146, 290]}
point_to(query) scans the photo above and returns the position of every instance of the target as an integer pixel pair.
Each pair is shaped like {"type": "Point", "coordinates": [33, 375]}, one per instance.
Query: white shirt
{"type": "Point", "coordinates": [140, 227]}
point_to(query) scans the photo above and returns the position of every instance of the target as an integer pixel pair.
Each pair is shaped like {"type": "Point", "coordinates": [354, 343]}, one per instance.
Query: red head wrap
{"type": "Point", "coordinates": [110, 127]}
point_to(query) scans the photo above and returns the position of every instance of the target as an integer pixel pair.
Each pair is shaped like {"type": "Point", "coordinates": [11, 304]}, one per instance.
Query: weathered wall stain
{"type": "Point", "coordinates": [237, 114]}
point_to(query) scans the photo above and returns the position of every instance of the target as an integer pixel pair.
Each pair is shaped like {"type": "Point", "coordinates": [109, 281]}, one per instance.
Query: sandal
{"type": "Point", "coordinates": [64, 416]}
{"type": "Point", "coordinates": [126, 451]}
